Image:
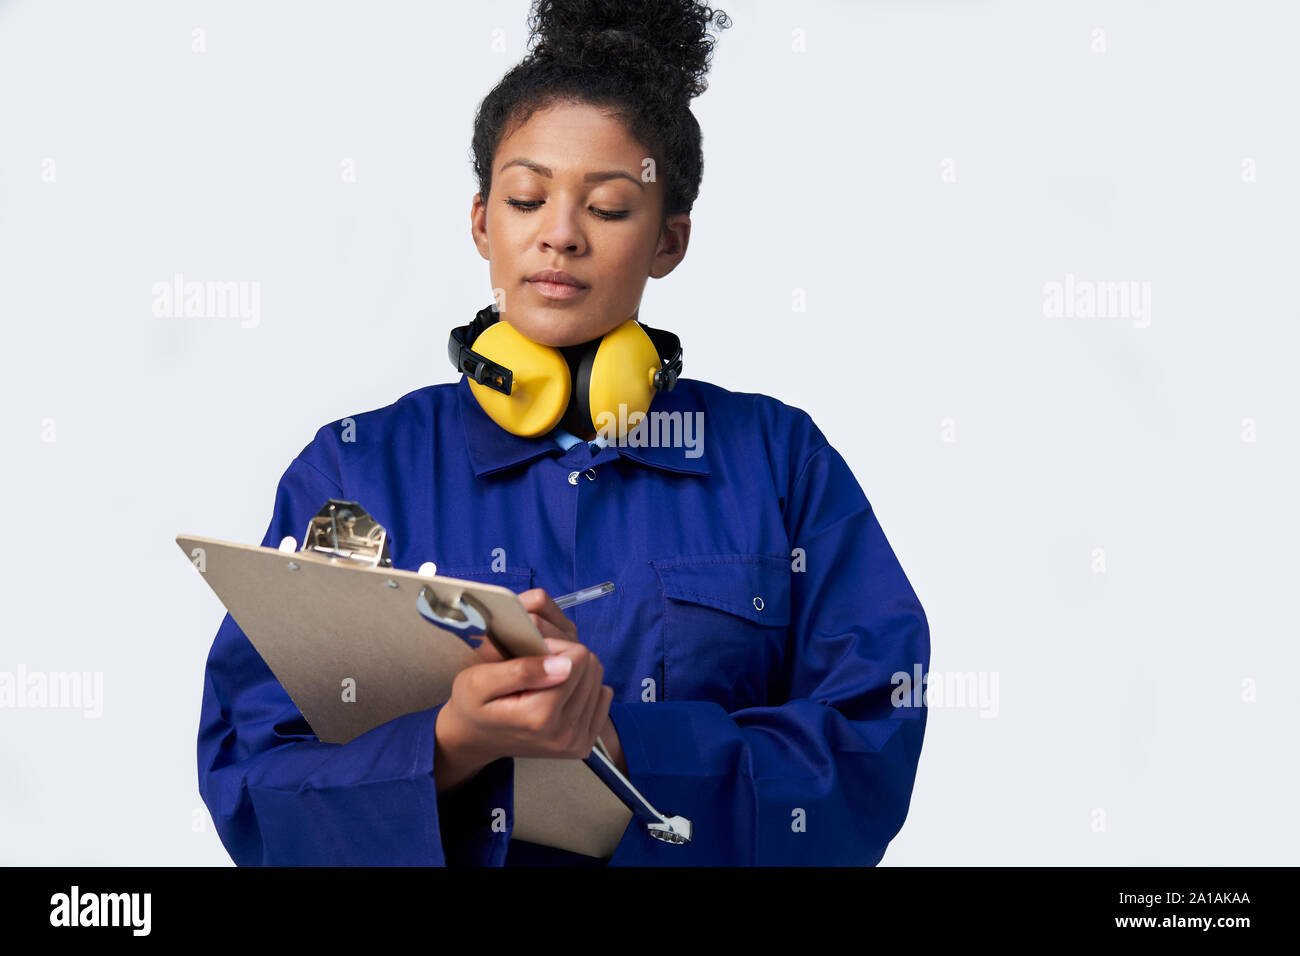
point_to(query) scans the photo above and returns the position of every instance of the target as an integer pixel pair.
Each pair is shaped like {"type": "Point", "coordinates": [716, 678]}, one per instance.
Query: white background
{"type": "Point", "coordinates": [1143, 714]}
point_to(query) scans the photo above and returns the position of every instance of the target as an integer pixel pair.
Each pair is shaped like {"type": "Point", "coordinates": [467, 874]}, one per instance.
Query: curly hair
{"type": "Point", "coordinates": [644, 60]}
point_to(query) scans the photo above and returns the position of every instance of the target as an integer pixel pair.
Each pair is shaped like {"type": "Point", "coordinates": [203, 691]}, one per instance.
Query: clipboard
{"type": "Point", "coordinates": [355, 642]}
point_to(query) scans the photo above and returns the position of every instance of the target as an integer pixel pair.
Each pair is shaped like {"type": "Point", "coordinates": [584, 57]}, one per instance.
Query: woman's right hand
{"type": "Point", "coordinates": [542, 706]}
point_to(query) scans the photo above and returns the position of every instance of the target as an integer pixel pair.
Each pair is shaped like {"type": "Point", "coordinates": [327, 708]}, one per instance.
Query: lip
{"type": "Point", "coordinates": [553, 284]}
{"type": "Point", "coordinates": [556, 290]}
{"type": "Point", "coordinates": [556, 277]}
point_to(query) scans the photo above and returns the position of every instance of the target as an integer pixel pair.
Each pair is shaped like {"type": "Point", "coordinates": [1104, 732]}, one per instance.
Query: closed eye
{"type": "Point", "coordinates": [531, 204]}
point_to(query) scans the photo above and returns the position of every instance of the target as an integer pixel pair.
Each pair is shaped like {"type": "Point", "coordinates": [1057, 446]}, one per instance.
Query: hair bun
{"type": "Point", "coordinates": [665, 42]}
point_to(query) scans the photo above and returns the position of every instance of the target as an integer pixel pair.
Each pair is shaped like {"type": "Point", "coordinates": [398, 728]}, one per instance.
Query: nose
{"type": "Point", "coordinates": [560, 230]}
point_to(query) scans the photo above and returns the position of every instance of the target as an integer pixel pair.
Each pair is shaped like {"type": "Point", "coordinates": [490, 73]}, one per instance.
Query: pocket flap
{"type": "Point", "coordinates": [516, 579]}
{"type": "Point", "coordinates": [753, 586]}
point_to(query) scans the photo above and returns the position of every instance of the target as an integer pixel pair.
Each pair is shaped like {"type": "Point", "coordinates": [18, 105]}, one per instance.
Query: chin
{"type": "Point", "coordinates": [555, 330]}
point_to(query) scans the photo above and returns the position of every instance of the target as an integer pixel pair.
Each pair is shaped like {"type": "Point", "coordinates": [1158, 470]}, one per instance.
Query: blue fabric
{"type": "Point", "coordinates": [754, 640]}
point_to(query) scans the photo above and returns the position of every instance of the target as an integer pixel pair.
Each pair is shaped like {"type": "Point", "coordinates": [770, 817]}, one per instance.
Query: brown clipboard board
{"type": "Point", "coordinates": [317, 620]}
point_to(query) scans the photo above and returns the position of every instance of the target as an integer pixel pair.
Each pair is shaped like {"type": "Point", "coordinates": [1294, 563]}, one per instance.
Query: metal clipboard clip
{"type": "Point", "coordinates": [343, 530]}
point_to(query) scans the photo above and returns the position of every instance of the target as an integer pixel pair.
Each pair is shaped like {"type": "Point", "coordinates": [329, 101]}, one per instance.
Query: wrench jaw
{"type": "Point", "coordinates": [677, 830]}
{"type": "Point", "coordinates": [466, 618]}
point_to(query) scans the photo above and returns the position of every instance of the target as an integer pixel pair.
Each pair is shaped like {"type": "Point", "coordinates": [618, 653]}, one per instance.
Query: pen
{"type": "Point", "coordinates": [586, 594]}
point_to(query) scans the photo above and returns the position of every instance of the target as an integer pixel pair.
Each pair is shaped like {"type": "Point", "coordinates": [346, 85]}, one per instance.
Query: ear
{"type": "Point", "coordinates": [673, 240]}
{"type": "Point", "coordinates": [478, 226]}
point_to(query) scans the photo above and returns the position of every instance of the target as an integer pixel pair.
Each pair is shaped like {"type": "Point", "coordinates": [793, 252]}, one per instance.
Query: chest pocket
{"type": "Point", "coordinates": [726, 618]}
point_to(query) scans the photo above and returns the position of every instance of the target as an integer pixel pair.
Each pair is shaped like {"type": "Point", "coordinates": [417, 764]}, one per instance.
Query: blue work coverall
{"type": "Point", "coordinates": [763, 642]}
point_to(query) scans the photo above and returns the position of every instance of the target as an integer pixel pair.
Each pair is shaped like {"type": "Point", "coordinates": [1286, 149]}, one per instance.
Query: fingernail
{"type": "Point", "coordinates": [557, 665]}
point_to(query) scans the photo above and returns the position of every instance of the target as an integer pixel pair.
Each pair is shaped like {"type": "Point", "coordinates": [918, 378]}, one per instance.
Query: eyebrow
{"type": "Point", "coordinates": [598, 177]}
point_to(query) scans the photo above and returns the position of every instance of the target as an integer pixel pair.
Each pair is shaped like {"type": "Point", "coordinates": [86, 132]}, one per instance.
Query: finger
{"type": "Point", "coordinates": [521, 674]}
{"type": "Point", "coordinates": [592, 720]}
{"type": "Point", "coordinates": [489, 651]}
{"type": "Point", "coordinates": [537, 601]}
{"type": "Point", "coordinates": [577, 686]}
{"type": "Point", "coordinates": [568, 707]}
{"type": "Point", "coordinates": [548, 629]}
{"type": "Point", "coordinates": [557, 645]}
{"type": "Point", "coordinates": [601, 713]}
{"type": "Point", "coordinates": [586, 698]}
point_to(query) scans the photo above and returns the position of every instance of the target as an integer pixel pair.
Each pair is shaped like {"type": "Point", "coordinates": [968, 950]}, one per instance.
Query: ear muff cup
{"type": "Point", "coordinates": [621, 372]}
{"type": "Point", "coordinates": [542, 386]}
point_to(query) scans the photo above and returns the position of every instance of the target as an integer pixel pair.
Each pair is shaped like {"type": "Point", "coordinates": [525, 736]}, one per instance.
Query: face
{"type": "Point", "coordinates": [567, 195]}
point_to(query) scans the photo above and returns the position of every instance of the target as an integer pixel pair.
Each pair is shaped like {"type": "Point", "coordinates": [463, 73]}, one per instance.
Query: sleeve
{"type": "Point", "coordinates": [279, 796]}
{"type": "Point", "coordinates": [826, 777]}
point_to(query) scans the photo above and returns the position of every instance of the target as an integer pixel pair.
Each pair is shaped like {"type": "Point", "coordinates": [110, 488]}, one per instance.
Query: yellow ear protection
{"type": "Point", "coordinates": [528, 388]}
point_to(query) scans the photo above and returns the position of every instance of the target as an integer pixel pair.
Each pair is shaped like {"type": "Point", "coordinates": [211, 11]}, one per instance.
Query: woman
{"type": "Point", "coordinates": [754, 671]}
